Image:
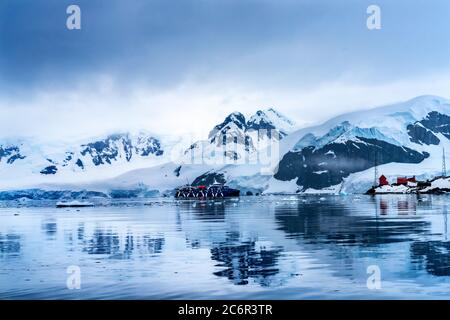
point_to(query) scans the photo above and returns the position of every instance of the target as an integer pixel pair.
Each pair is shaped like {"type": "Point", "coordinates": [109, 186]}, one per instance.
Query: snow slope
{"type": "Point", "coordinates": [405, 139]}
{"type": "Point", "coordinates": [146, 161]}
{"type": "Point", "coordinates": [79, 161]}
{"type": "Point", "coordinates": [390, 120]}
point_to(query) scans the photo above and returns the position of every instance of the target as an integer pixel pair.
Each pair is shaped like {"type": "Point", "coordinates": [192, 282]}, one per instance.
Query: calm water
{"type": "Point", "coordinates": [257, 248]}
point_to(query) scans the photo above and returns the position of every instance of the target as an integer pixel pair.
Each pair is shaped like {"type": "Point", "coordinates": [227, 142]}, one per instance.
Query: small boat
{"type": "Point", "coordinates": [74, 204]}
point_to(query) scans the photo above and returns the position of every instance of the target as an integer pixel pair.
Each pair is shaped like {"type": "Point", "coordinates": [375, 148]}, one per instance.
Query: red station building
{"type": "Point", "coordinates": [405, 180]}
{"type": "Point", "coordinates": [383, 181]}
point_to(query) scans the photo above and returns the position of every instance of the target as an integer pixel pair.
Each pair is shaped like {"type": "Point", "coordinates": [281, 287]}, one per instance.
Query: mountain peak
{"type": "Point", "coordinates": [428, 98]}
{"type": "Point", "coordinates": [236, 119]}
{"type": "Point", "coordinates": [270, 119]}
{"type": "Point", "coordinates": [280, 116]}
{"type": "Point", "coordinates": [260, 120]}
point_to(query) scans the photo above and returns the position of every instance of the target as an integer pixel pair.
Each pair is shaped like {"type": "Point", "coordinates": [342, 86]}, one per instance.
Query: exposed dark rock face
{"type": "Point", "coordinates": [327, 166]}
{"type": "Point", "coordinates": [109, 149]}
{"type": "Point", "coordinates": [67, 159]}
{"type": "Point", "coordinates": [79, 163]}
{"type": "Point", "coordinates": [231, 131]}
{"type": "Point", "coordinates": [208, 179]}
{"type": "Point", "coordinates": [10, 154]}
{"type": "Point", "coordinates": [235, 129]}
{"type": "Point", "coordinates": [49, 170]}
{"type": "Point", "coordinates": [104, 151]}
{"type": "Point", "coordinates": [421, 135]}
{"type": "Point", "coordinates": [261, 123]}
{"type": "Point", "coordinates": [15, 157]}
{"type": "Point", "coordinates": [437, 122]}
{"type": "Point", "coordinates": [423, 132]}
{"type": "Point", "coordinates": [236, 118]}
{"type": "Point", "coordinates": [147, 146]}
{"type": "Point", "coordinates": [176, 172]}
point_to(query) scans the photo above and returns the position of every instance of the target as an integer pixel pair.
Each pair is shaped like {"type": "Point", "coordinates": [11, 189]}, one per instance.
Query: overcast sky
{"type": "Point", "coordinates": [177, 66]}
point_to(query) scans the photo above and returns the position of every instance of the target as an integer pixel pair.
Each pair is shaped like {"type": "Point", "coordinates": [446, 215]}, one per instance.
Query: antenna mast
{"type": "Point", "coordinates": [375, 178]}
{"type": "Point", "coordinates": [444, 169]}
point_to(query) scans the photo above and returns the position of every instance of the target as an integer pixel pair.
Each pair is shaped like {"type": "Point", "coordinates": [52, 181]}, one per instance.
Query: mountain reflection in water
{"type": "Point", "coordinates": [259, 247]}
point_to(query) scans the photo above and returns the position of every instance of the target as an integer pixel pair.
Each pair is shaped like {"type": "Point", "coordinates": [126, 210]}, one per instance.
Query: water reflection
{"type": "Point", "coordinates": [80, 231]}
{"type": "Point", "coordinates": [268, 243]}
{"type": "Point", "coordinates": [107, 242]}
{"type": "Point", "coordinates": [10, 244]}
{"type": "Point", "coordinates": [205, 210]}
{"type": "Point", "coordinates": [50, 228]}
{"type": "Point", "coordinates": [337, 224]}
{"type": "Point", "coordinates": [402, 205]}
{"type": "Point", "coordinates": [433, 256]}
{"type": "Point", "coordinates": [245, 261]}
{"type": "Point", "coordinates": [102, 242]}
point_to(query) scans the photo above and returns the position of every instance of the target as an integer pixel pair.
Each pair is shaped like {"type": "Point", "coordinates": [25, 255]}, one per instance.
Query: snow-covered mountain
{"type": "Point", "coordinates": [237, 139]}
{"type": "Point", "coordinates": [403, 139]}
{"type": "Point", "coordinates": [94, 162]}
{"type": "Point", "coordinates": [270, 119]}
{"type": "Point", "coordinates": [30, 161]}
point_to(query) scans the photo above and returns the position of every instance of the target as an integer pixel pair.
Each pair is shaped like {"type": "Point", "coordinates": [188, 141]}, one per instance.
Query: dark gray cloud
{"type": "Point", "coordinates": [310, 58]}
{"type": "Point", "coordinates": [162, 42]}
